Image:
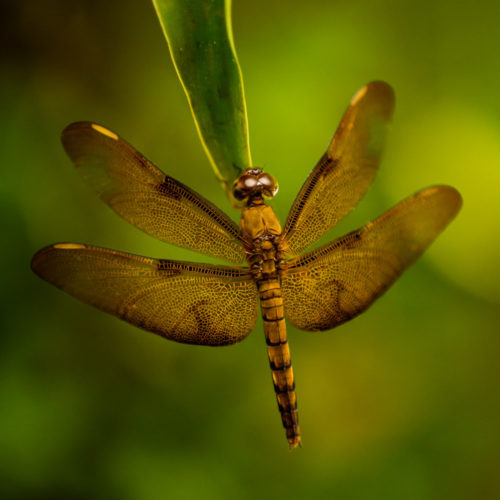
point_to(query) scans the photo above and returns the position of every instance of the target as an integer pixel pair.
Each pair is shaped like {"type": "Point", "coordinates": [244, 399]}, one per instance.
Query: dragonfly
{"type": "Point", "coordinates": [271, 266]}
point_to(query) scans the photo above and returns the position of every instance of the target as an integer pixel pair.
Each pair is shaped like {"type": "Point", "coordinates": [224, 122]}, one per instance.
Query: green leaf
{"type": "Point", "coordinates": [200, 40]}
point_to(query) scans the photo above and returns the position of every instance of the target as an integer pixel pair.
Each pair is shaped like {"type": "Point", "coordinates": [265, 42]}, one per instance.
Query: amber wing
{"type": "Point", "coordinates": [142, 194]}
{"type": "Point", "coordinates": [336, 282]}
{"type": "Point", "coordinates": [186, 302]}
{"type": "Point", "coordinates": [345, 171]}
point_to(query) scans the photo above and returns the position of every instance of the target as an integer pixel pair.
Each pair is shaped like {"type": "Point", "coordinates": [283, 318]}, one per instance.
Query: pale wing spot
{"type": "Point", "coordinates": [104, 131]}
{"type": "Point", "coordinates": [358, 96]}
{"type": "Point", "coordinates": [68, 246]}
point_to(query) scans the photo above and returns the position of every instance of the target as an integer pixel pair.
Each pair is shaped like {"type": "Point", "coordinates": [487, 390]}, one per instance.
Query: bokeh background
{"type": "Point", "coordinates": [402, 402]}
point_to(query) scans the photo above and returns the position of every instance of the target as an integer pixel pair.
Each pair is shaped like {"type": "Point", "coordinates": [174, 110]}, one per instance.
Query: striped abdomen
{"type": "Point", "coordinates": [271, 304]}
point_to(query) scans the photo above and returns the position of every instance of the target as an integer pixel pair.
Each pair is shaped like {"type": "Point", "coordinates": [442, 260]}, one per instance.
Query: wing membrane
{"type": "Point", "coordinates": [186, 302]}
{"type": "Point", "coordinates": [142, 194]}
{"type": "Point", "coordinates": [337, 281]}
{"type": "Point", "coordinates": [345, 171]}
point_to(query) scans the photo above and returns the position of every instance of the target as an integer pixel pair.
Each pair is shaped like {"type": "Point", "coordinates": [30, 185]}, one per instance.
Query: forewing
{"type": "Point", "coordinates": [142, 194]}
{"type": "Point", "coordinates": [338, 281]}
{"type": "Point", "coordinates": [345, 171]}
{"type": "Point", "coordinates": [186, 302]}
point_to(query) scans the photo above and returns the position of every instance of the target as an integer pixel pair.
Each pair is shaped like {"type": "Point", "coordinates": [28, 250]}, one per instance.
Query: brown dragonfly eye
{"type": "Point", "coordinates": [249, 182]}
{"type": "Point", "coordinates": [244, 185]}
{"type": "Point", "coordinates": [269, 185]}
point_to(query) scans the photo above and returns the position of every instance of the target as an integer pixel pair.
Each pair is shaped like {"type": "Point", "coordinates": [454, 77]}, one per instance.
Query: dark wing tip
{"type": "Point", "coordinates": [449, 196]}
{"type": "Point", "coordinates": [76, 135]}
{"type": "Point", "coordinates": [38, 259]}
{"type": "Point", "coordinates": [379, 93]}
{"type": "Point", "coordinates": [79, 125]}
{"type": "Point", "coordinates": [382, 89]}
{"type": "Point", "coordinates": [381, 86]}
{"type": "Point", "coordinates": [73, 128]}
{"type": "Point", "coordinates": [35, 260]}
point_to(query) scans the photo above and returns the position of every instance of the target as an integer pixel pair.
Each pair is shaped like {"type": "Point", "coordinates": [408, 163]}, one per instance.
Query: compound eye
{"type": "Point", "coordinates": [269, 185]}
{"type": "Point", "coordinates": [265, 180]}
{"type": "Point", "coordinates": [238, 193]}
{"type": "Point", "coordinates": [243, 186]}
{"type": "Point", "coordinates": [248, 182]}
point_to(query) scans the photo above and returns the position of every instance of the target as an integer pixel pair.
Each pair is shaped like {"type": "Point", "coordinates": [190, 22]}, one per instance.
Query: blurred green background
{"type": "Point", "coordinates": [402, 402]}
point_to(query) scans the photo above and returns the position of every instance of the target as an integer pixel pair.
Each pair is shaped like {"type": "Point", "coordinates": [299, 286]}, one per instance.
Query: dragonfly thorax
{"type": "Point", "coordinates": [254, 184]}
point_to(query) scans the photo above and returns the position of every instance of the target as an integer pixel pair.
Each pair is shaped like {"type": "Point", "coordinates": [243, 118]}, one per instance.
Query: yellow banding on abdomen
{"type": "Point", "coordinates": [279, 357]}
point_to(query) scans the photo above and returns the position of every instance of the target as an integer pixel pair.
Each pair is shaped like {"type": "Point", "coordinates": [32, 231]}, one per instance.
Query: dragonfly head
{"type": "Point", "coordinates": [253, 183]}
